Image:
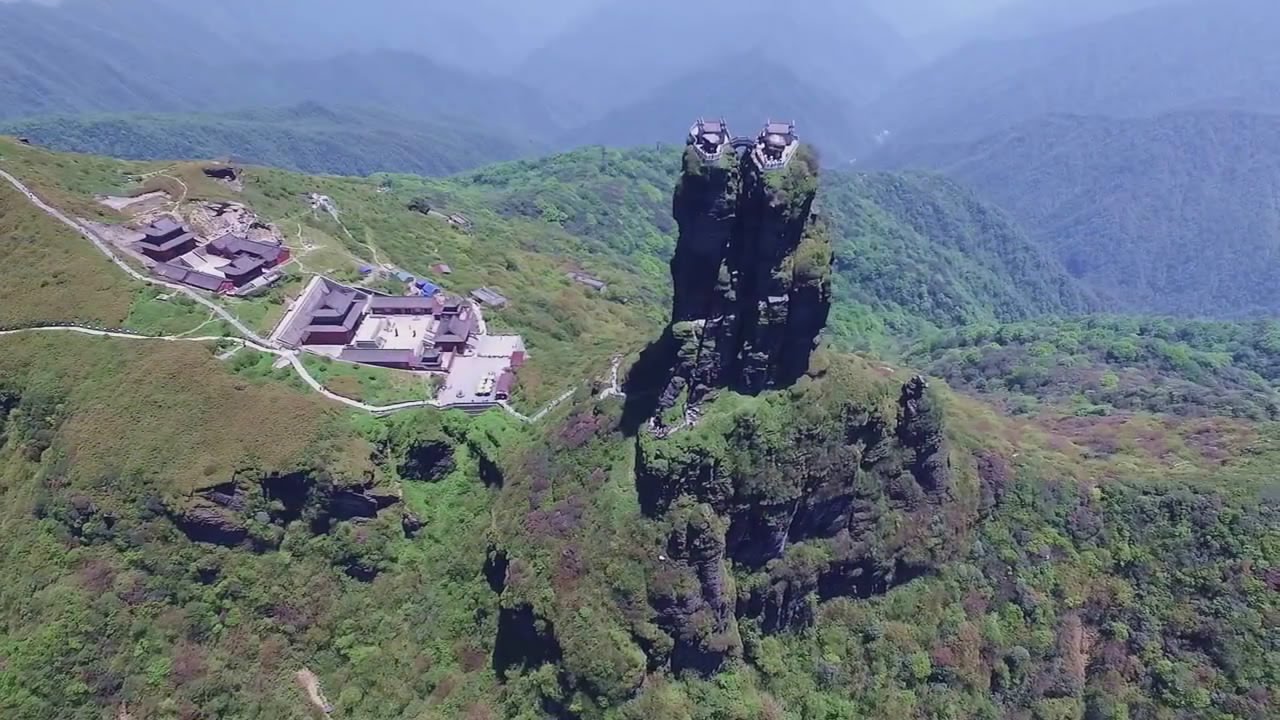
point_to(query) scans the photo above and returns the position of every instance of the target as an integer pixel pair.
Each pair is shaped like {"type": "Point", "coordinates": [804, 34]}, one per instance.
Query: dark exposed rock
{"type": "Point", "coordinates": [789, 605]}
{"type": "Point", "coordinates": [920, 430]}
{"type": "Point", "coordinates": [209, 523]}
{"type": "Point", "coordinates": [420, 205]}
{"type": "Point", "coordinates": [994, 477]}
{"type": "Point", "coordinates": [490, 472]}
{"type": "Point", "coordinates": [809, 470]}
{"type": "Point", "coordinates": [228, 495]}
{"type": "Point", "coordinates": [813, 490]}
{"type": "Point", "coordinates": [495, 569]}
{"type": "Point", "coordinates": [862, 577]}
{"type": "Point", "coordinates": [360, 502]}
{"type": "Point", "coordinates": [752, 276]}
{"type": "Point", "coordinates": [411, 524]}
{"type": "Point", "coordinates": [524, 640]}
{"type": "Point", "coordinates": [427, 462]}
{"type": "Point", "coordinates": [222, 172]}
{"type": "Point", "coordinates": [291, 491]}
{"type": "Point", "coordinates": [361, 570]}
{"type": "Point", "coordinates": [758, 532]}
{"type": "Point", "coordinates": [705, 207]}
{"type": "Point", "coordinates": [692, 595]}
{"type": "Point", "coordinates": [221, 514]}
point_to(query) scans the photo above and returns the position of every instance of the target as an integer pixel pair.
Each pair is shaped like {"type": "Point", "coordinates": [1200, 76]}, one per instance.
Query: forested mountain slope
{"type": "Point", "coordinates": [917, 250]}
{"type": "Point", "coordinates": [1112, 365]}
{"type": "Point", "coordinates": [1174, 214]}
{"type": "Point", "coordinates": [1169, 57]}
{"type": "Point", "coordinates": [307, 137]}
{"type": "Point", "coordinates": [183, 532]}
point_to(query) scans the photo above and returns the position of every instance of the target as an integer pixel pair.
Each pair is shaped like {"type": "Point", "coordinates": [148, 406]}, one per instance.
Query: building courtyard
{"type": "Point", "coordinates": [439, 334]}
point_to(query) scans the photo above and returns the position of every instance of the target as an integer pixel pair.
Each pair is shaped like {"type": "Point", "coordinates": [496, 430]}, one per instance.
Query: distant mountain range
{"type": "Point", "coordinates": [148, 56]}
{"type": "Point", "coordinates": [626, 50]}
{"type": "Point", "coordinates": [486, 36]}
{"type": "Point", "coordinates": [598, 79]}
{"type": "Point", "coordinates": [307, 137]}
{"type": "Point", "coordinates": [1169, 57]}
{"type": "Point", "coordinates": [1175, 214]}
{"type": "Point", "coordinates": [756, 90]}
{"type": "Point", "coordinates": [617, 70]}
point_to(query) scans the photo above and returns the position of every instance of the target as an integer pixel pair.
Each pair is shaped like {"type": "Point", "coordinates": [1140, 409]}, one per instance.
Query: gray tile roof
{"type": "Point", "coordinates": [380, 357]}
{"type": "Point", "coordinates": [408, 302]}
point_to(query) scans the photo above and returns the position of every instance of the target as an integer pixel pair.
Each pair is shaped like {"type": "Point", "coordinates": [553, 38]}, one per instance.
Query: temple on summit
{"type": "Point", "coordinates": [752, 266]}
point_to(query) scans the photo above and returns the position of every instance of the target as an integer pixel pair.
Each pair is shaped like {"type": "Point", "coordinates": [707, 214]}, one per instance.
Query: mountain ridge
{"type": "Point", "coordinates": [1127, 205]}
{"type": "Point", "coordinates": [603, 46]}
{"type": "Point", "coordinates": [1173, 56]}
{"type": "Point", "coordinates": [307, 137]}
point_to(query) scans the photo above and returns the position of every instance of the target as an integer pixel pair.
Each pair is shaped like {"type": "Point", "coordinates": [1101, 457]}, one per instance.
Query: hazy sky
{"type": "Point", "coordinates": [520, 26]}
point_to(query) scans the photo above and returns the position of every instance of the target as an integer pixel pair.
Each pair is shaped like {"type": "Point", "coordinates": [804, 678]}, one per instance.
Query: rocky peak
{"type": "Point", "coordinates": [752, 269]}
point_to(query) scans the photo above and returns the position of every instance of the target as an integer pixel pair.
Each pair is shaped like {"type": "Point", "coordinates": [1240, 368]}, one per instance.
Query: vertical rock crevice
{"type": "Point", "coordinates": [752, 267]}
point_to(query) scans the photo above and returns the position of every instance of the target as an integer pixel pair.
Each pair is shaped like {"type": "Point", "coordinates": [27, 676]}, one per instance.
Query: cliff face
{"type": "Point", "coordinates": [752, 274]}
{"type": "Point", "coordinates": [836, 482]}
{"type": "Point", "coordinates": [814, 492]}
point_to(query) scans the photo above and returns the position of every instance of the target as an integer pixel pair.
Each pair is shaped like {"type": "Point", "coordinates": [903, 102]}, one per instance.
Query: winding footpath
{"type": "Point", "coordinates": [105, 248]}
{"type": "Point", "coordinates": [292, 357]}
{"type": "Point", "coordinates": [249, 338]}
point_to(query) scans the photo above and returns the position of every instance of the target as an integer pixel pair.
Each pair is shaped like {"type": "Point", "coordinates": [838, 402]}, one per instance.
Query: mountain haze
{"type": "Point", "coordinates": [1174, 214]}
{"type": "Point", "coordinates": [484, 35]}
{"type": "Point", "coordinates": [90, 56]}
{"type": "Point", "coordinates": [610, 57]}
{"type": "Point", "coordinates": [1169, 57]}
{"type": "Point", "coordinates": [767, 90]}
{"type": "Point", "coordinates": [306, 137]}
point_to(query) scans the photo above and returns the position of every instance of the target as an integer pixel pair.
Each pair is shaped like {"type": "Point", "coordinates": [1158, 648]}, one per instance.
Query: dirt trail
{"type": "Point", "coordinates": [249, 337]}
{"type": "Point", "coordinates": [105, 248]}
{"type": "Point", "coordinates": [311, 684]}
{"type": "Point", "coordinates": [185, 190]}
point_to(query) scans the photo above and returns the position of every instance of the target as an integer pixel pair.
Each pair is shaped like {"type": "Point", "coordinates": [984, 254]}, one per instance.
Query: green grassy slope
{"type": "Point", "coordinates": [571, 331]}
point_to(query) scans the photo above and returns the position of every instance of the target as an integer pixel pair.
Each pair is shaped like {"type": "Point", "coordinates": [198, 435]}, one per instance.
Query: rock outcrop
{"type": "Point", "coordinates": [204, 521]}
{"type": "Point", "coordinates": [840, 485]}
{"type": "Point", "coordinates": [818, 494]}
{"type": "Point", "coordinates": [693, 594]}
{"type": "Point", "coordinates": [751, 270]}
{"type": "Point", "coordinates": [222, 514]}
